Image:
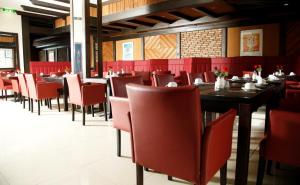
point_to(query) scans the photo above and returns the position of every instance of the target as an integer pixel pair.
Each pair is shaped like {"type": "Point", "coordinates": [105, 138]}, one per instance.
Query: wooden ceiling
{"type": "Point", "coordinates": [181, 15]}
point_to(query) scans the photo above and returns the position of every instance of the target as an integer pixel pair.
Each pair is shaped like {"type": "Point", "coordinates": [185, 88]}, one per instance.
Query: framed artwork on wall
{"type": "Point", "coordinates": [127, 51]}
{"type": "Point", "coordinates": [251, 42]}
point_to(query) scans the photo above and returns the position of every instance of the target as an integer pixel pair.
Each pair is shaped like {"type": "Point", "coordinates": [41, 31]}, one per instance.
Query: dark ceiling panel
{"type": "Point", "coordinates": [50, 5]}
{"type": "Point", "coordinates": [43, 11]}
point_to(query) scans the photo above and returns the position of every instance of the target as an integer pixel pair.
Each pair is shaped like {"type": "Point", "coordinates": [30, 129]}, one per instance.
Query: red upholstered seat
{"type": "Point", "coordinates": [209, 76]}
{"type": "Point", "coordinates": [48, 67]}
{"type": "Point", "coordinates": [120, 106]}
{"type": "Point", "coordinates": [4, 87]}
{"type": "Point", "coordinates": [282, 142]}
{"type": "Point", "coordinates": [41, 91]}
{"type": "Point", "coordinates": [192, 76]}
{"type": "Point", "coordinates": [163, 79]}
{"type": "Point", "coordinates": [85, 95]}
{"type": "Point", "coordinates": [160, 140]}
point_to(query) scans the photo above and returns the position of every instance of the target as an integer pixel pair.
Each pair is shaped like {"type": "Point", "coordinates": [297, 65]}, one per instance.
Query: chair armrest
{"type": "Point", "coordinates": [93, 94]}
{"type": "Point", "coordinates": [217, 141]}
{"type": "Point", "coordinates": [47, 90]}
{"type": "Point", "coordinates": [120, 110]}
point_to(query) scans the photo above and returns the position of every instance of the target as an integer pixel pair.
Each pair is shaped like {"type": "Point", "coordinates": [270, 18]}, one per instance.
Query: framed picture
{"type": "Point", "coordinates": [251, 43]}
{"type": "Point", "coordinates": [78, 58]}
{"type": "Point", "coordinates": [127, 51]}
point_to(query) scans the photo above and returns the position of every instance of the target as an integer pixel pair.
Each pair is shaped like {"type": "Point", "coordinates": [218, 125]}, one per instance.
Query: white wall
{"type": "Point", "coordinates": [12, 23]}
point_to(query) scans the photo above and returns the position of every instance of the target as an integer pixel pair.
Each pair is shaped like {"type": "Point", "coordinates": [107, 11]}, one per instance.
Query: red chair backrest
{"type": "Point", "coordinates": [31, 85]}
{"type": "Point", "coordinates": [162, 80]}
{"type": "Point", "coordinates": [184, 77]}
{"type": "Point", "coordinates": [166, 126]}
{"type": "Point", "coordinates": [120, 110]}
{"type": "Point", "coordinates": [118, 84]}
{"type": "Point", "coordinates": [283, 138]}
{"type": "Point", "coordinates": [74, 84]}
{"type": "Point", "coordinates": [1, 83]}
{"type": "Point", "coordinates": [192, 76]}
{"type": "Point", "coordinates": [23, 85]}
{"type": "Point", "coordinates": [209, 76]}
{"type": "Point", "coordinates": [162, 72]}
{"type": "Point", "coordinates": [145, 76]}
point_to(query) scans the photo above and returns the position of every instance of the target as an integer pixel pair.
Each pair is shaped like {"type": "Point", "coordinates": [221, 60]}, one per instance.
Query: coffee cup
{"type": "Point", "coordinates": [249, 85]}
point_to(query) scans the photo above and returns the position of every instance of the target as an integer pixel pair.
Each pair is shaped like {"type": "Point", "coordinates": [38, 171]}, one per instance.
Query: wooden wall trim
{"type": "Point", "coordinates": [224, 42]}
{"type": "Point", "coordinates": [26, 42]}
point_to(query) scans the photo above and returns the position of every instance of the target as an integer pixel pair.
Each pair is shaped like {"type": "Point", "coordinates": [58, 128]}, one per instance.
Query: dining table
{"type": "Point", "coordinates": [245, 102]}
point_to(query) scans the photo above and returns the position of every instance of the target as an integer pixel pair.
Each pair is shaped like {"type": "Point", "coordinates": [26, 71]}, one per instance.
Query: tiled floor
{"type": "Point", "coordinates": [52, 150]}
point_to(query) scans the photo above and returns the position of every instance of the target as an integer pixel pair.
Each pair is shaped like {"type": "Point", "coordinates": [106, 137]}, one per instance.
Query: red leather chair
{"type": "Point", "coordinates": [145, 76]}
{"type": "Point", "coordinates": [162, 72]}
{"type": "Point", "coordinates": [282, 141]}
{"type": "Point", "coordinates": [120, 107]}
{"type": "Point", "coordinates": [192, 76]}
{"type": "Point", "coordinates": [24, 90]}
{"type": "Point", "coordinates": [4, 87]}
{"type": "Point", "coordinates": [85, 95]}
{"type": "Point", "coordinates": [161, 142]}
{"type": "Point", "coordinates": [118, 84]}
{"type": "Point", "coordinates": [162, 80]}
{"type": "Point", "coordinates": [209, 77]}
{"type": "Point", "coordinates": [39, 91]}
{"type": "Point", "coordinates": [250, 73]}
{"type": "Point", "coordinates": [16, 89]}
{"type": "Point", "coordinates": [184, 77]}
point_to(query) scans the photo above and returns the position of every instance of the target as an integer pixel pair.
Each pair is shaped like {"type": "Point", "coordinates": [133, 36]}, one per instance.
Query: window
{"type": "Point", "coordinates": [6, 58]}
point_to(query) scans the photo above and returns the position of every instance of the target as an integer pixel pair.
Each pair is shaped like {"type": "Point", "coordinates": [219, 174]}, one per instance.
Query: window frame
{"type": "Point", "coordinates": [14, 46]}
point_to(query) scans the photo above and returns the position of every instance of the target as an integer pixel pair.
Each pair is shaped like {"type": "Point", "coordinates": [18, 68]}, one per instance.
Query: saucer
{"type": "Point", "coordinates": [250, 89]}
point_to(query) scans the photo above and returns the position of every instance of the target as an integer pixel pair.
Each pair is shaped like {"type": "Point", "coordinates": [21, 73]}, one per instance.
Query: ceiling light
{"type": "Point", "coordinates": [286, 4]}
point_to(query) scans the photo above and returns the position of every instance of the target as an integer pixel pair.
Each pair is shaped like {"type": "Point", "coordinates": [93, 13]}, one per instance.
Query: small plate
{"type": "Point", "coordinates": [250, 89]}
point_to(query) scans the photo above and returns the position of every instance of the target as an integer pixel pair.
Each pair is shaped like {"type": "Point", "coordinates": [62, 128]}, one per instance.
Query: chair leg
{"type": "Point", "coordinates": [261, 171]}
{"type": "Point", "coordinates": [105, 110]}
{"type": "Point", "coordinates": [73, 112]}
{"type": "Point", "coordinates": [118, 142]}
{"type": "Point", "coordinates": [58, 104]}
{"type": "Point", "coordinates": [15, 97]}
{"type": "Point", "coordinates": [5, 91]}
{"type": "Point", "coordinates": [139, 175]}
{"type": "Point", "coordinates": [39, 107]}
{"type": "Point", "coordinates": [31, 105]}
{"type": "Point", "coordinates": [170, 178]}
{"type": "Point", "coordinates": [223, 174]}
{"type": "Point", "coordinates": [50, 104]}
{"type": "Point", "coordinates": [83, 115]}
{"type": "Point", "coordinates": [269, 167]}
{"type": "Point", "coordinates": [2, 94]}
{"type": "Point", "coordinates": [41, 102]}
{"type": "Point", "coordinates": [20, 98]}
{"type": "Point", "coordinates": [24, 101]}
{"type": "Point", "coordinates": [92, 109]}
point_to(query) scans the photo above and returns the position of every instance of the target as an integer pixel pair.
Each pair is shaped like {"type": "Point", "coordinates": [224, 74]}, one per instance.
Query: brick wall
{"type": "Point", "coordinates": [203, 43]}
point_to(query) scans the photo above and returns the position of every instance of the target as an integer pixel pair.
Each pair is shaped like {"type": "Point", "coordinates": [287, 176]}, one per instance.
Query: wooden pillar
{"type": "Point", "coordinates": [143, 48]}
{"type": "Point", "coordinates": [26, 42]}
{"type": "Point", "coordinates": [224, 42]}
{"type": "Point", "coordinates": [87, 38]}
{"type": "Point", "coordinates": [99, 38]}
{"type": "Point", "coordinates": [178, 47]}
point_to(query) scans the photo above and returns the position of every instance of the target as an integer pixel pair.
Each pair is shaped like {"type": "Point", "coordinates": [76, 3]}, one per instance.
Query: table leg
{"type": "Point", "coordinates": [243, 144]}
{"type": "Point", "coordinates": [66, 105]}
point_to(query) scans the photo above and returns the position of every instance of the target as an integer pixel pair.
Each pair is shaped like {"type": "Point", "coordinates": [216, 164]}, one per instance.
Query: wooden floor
{"type": "Point", "coordinates": [52, 150]}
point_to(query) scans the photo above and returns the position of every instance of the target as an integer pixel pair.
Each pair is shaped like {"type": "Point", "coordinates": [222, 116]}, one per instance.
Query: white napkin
{"type": "Point", "coordinates": [292, 74]}
{"type": "Point", "coordinates": [198, 81]}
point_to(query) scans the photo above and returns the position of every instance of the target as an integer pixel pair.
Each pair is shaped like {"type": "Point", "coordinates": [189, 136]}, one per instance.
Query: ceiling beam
{"type": "Point", "coordinates": [63, 1]}
{"type": "Point", "coordinates": [27, 14]}
{"type": "Point", "coordinates": [143, 23]}
{"type": "Point", "coordinates": [161, 19]}
{"type": "Point", "coordinates": [111, 29]}
{"type": "Point", "coordinates": [123, 25]}
{"type": "Point", "coordinates": [207, 12]}
{"type": "Point", "coordinates": [50, 5]}
{"type": "Point", "coordinates": [182, 15]}
{"type": "Point", "coordinates": [43, 11]}
{"type": "Point", "coordinates": [153, 8]}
